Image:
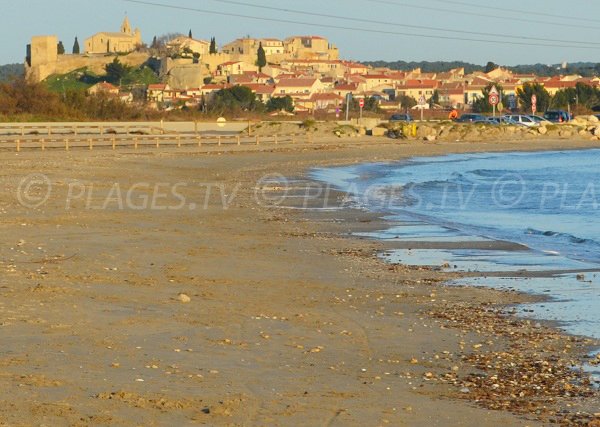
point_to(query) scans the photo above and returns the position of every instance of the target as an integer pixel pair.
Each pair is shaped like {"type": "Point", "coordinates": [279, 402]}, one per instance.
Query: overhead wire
{"type": "Point", "coordinates": [503, 9]}
{"type": "Point", "coordinates": [396, 24]}
{"type": "Point", "coordinates": [355, 29]}
{"type": "Point", "coordinates": [481, 15]}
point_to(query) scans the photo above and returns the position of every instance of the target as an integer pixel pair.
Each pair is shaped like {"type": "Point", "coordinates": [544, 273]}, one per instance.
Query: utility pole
{"type": "Point", "coordinates": [348, 98]}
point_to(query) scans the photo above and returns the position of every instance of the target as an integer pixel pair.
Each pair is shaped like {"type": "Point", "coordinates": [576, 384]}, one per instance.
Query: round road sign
{"type": "Point", "coordinates": [493, 99]}
{"type": "Point", "coordinates": [361, 102]}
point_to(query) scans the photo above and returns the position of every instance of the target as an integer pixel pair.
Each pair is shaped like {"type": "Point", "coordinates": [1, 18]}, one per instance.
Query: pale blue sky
{"type": "Point", "coordinates": [67, 18]}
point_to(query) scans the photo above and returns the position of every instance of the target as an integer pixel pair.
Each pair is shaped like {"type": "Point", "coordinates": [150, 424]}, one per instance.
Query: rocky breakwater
{"type": "Point", "coordinates": [584, 127]}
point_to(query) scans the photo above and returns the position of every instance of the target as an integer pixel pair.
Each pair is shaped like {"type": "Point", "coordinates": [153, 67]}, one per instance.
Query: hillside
{"type": "Point", "coordinates": [11, 70]}
{"type": "Point", "coordinates": [586, 69]}
{"type": "Point", "coordinates": [83, 78]}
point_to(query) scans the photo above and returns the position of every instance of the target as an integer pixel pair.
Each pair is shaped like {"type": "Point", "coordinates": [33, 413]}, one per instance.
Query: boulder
{"type": "Point", "coordinates": [430, 138]}
{"type": "Point", "coordinates": [424, 131]}
{"type": "Point", "coordinates": [542, 130]}
{"type": "Point", "coordinates": [579, 121]}
{"type": "Point", "coordinates": [593, 119]}
{"type": "Point", "coordinates": [473, 135]}
{"type": "Point", "coordinates": [378, 131]}
{"type": "Point", "coordinates": [362, 131]}
{"type": "Point", "coordinates": [596, 131]}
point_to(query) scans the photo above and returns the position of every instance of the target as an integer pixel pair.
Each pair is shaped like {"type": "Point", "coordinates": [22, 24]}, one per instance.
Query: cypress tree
{"type": "Point", "coordinates": [190, 34]}
{"type": "Point", "coordinates": [60, 48]}
{"type": "Point", "coordinates": [261, 59]}
{"type": "Point", "coordinates": [76, 49]}
{"type": "Point", "coordinates": [154, 43]}
{"type": "Point", "coordinates": [213, 46]}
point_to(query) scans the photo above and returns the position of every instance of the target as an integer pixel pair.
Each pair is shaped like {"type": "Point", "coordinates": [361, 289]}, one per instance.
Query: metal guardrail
{"type": "Point", "coordinates": [75, 129]}
{"type": "Point", "coordinates": [114, 141]}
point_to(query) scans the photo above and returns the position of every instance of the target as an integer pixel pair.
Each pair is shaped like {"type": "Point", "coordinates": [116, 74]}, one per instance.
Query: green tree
{"type": "Point", "coordinates": [435, 99]}
{"type": "Point", "coordinates": [190, 34]}
{"type": "Point", "coordinates": [406, 102]}
{"type": "Point", "coordinates": [524, 96]}
{"type": "Point", "coordinates": [234, 100]}
{"type": "Point", "coordinates": [371, 104]}
{"type": "Point", "coordinates": [60, 48]}
{"type": "Point", "coordinates": [285, 103]}
{"type": "Point", "coordinates": [76, 49]}
{"type": "Point", "coordinates": [261, 57]}
{"type": "Point", "coordinates": [154, 44]}
{"type": "Point", "coordinates": [482, 104]}
{"type": "Point", "coordinates": [490, 66]}
{"type": "Point", "coordinates": [213, 46]}
{"type": "Point", "coordinates": [116, 71]}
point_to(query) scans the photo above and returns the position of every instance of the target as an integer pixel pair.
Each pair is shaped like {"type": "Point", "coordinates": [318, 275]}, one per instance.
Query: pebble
{"type": "Point", "coordinates": [465, 390]}
{"type": "Point", "coordinates": [183, 298]}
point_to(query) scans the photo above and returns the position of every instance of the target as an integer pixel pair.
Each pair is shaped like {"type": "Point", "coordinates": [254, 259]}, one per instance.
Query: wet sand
{"type": "Point", "coordinates": [287, 320]}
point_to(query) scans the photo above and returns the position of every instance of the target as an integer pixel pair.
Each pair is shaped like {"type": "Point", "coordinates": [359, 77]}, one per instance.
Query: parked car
{"type": "Point", "coordinates": [557, 116]}
{"type": "Point", "coordinates": [541, 120]}
{"type": "Point", "coordinates": [523, 120]}
{"type": "Point", "coordinates": [401, 118]}
{"type": "Point", "coordinates": [493, 121]}
{"type": "Point", "coordinates": [471, 118]}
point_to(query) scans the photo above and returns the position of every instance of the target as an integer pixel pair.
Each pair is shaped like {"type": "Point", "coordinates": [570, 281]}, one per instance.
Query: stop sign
{"type": "Point", "coordinates": [361, 102]}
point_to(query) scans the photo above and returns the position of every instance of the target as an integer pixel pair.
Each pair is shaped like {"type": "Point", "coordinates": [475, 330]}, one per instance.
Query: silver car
{"type": "Point", "coordinates": [523, 120]}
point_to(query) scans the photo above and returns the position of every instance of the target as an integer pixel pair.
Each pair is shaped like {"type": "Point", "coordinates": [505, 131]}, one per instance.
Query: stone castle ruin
{"type": "Point", "coordinates": [43, 59]}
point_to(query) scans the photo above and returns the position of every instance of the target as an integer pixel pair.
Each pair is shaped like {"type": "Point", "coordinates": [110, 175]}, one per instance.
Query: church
{"type": "Point", "coordinates": [122, 42]}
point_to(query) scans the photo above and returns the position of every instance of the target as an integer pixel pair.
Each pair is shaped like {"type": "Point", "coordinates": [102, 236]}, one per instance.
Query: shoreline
{"type": "Point", "coordinates": [590, 346]}
{"type": "Point", "coordinates": [289, 322]}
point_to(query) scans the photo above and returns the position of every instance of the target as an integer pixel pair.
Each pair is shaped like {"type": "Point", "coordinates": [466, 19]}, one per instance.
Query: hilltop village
{"type": "Point", "coordinates": [307, 69]}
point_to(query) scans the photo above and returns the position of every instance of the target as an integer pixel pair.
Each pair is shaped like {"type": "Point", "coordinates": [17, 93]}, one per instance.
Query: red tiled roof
{"type": "Point", "coordinates": [416, 84]}
{"type": "Point", "coordinates": [296, 82]}
{"type": "Point", "coordinates": [346, 86]}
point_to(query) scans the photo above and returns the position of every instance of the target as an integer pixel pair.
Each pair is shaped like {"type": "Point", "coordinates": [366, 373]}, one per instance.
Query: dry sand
{"type": "Point", "coordinates": [284, 319]}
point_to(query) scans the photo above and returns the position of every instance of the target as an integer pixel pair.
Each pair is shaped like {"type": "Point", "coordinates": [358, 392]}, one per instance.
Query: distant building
{"type": "Point", "coordinates": [107, 42]}
{"type": "Point", "coordinates": [182, 44]}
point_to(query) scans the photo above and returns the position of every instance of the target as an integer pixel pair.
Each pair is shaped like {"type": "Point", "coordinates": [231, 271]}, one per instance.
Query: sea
{"type": "Point", "coordinates": [546, 202]}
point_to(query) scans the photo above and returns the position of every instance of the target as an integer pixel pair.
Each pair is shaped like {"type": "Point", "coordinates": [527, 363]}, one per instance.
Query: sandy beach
{"type": "Point", "coordinates": [164, 288]}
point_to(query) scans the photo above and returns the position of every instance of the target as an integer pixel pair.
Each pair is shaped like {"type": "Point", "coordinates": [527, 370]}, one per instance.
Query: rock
{"type": "Point", "coordinates": [593, 119]}
{"type": "Point", "coordinates": [542, 130]}
{"type": "Point", "coordinates": [379, 131]}
{"type": "Point", "coordinates": [583, 132]}
{"type": "Point", "coordinates": [362, 131]}
{"type": "Point", "coordinates": [424, 130]}
{"type": "Point", "coordinates": [183, 298]}
{"type": "Point", "coordinates": [596, 131]}
{"type": "Point", "coordinates": [580, 121]}
{"type": "Point", "coordinates": [430, 138]}
{"type": "Point", "coordinates": [565, 133]}
{"type": "Point", "coordinates": [473, 135]}
{"type": "Point", "coordinates": [465, 390]}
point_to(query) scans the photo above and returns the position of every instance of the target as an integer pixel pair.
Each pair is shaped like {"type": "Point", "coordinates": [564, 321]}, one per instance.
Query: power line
{"type": "Point", "coordinates": [481, 15]}
{"type": "Point", "coordinates": [354, 29]}
{"type": "Point", "coordinates": [395, 24]}
{"type": "Point", "coordinates": [503, 9]}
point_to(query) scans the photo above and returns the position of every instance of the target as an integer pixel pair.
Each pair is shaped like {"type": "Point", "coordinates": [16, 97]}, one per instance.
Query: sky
{"type": "Point", "coordinates": [510, 32]}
